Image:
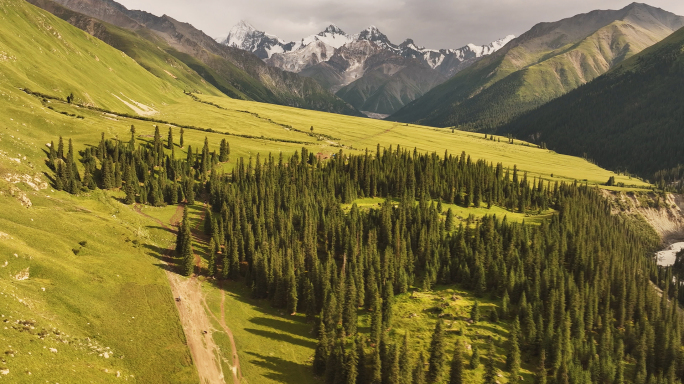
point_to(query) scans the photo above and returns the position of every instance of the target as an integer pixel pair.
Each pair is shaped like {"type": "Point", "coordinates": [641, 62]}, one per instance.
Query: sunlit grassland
{"type": "Point", "coordinates": [95, 285]}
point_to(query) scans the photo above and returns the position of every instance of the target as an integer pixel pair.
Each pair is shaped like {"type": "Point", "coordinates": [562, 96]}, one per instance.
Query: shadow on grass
{"type": "Point", "coordinates": [169, 267]}
{"type": "Point", "coordinates": [159, 253]}
{"type": "Point", "coordinates": [487, 327]}
{"type": "Point", "coordinates": [280, 324]}
{"type": "Point", "coordinates": [282, 371]}
{"type": "Point", "coordinates": [282, 337]}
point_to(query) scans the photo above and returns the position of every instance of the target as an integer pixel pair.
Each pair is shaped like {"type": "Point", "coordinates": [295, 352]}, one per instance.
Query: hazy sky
{"type": "Point", "coordinates": [431, 23]}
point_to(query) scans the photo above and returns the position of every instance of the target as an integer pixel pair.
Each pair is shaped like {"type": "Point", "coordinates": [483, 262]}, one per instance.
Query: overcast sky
{"type": "Point", "coordinates": [431, 23]}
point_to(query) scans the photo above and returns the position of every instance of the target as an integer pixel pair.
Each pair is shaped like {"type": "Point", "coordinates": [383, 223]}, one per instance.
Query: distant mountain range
{"type": "Point", "coordinates": [544, 63]}
{"type": "Point", "coordinates": [366, 69]}
{"type": "Point", "coordinates": [153, 40]}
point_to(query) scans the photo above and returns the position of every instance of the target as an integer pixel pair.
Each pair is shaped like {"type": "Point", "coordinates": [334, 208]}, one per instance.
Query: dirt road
{"type": "Point", "coordinates": [192, 310]}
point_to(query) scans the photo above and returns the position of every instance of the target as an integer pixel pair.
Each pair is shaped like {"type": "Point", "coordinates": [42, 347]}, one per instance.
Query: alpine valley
{"type": "Point", "coordinates": [366, 69]}
{"type": "Point", "coordinates": [180, 209]}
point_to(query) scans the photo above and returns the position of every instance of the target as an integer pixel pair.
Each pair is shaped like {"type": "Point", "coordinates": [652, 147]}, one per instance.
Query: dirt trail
{"type": "Point", "coordinates": [196, 325]}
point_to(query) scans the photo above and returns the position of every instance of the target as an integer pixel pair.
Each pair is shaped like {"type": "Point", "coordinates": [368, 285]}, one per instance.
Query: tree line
{"type": "Point", "coordinates": [575, 291]}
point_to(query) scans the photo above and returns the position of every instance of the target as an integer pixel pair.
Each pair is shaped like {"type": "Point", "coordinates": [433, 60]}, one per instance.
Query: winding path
{"type": "Point", "coordinates": [192, 310]}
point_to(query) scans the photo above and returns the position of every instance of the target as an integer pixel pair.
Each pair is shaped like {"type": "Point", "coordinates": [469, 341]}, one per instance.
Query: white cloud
{"type": "Point", "coordinates": [431, 23]}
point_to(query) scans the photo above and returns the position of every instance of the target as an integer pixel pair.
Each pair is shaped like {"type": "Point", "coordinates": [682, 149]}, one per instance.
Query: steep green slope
{"type": "Point", "coordinates": [541, 65]}
{"type": "Point", "coordinates": [235, 72]}
{"type": "Point", "coordinates": [630, 119]}
{"type": "Point", "coordinates": [151, 52]}
{"type": "Point", "coordinates": [94, 72]}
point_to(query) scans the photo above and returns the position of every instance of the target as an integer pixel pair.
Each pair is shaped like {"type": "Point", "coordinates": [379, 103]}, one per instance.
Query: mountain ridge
{"type": "Point", "coordinates": [628, 119]}
{"type": "Point", "coordinates": [543, 63]}
{"type": "Point", "coordinates": [337, 60]}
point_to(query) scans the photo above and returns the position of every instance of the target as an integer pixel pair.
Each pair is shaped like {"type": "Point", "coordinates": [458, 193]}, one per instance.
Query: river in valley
{"type": "Point", "coordinates": [667, 256]}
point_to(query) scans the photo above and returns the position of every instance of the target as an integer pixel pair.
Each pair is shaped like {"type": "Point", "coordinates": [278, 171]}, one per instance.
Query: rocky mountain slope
{"type": "Point", "coordinates": [388, 75]}
{"type": "Point", "coordinates": [542, 64]}
{"type": "Point", "coordinates": [235, 72]}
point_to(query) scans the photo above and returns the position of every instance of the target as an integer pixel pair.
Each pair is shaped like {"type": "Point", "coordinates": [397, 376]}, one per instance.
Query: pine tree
{"type": "Point", "coordinates": [181, 138]}
{"type": "Point", "coordinates": [211, 263]}
{"type": "Point", "coordinates": [513, 356]}
{"type": "Point", "coordinates": [375, 374]}
{"type": "Point", "coordinates": [169, 140]}
{"type": "Point", "coordinates": [349, 315]}
{"type": "Point", "coordinates": [489, 376]}
{"type": "Point", "coordinates": [475, 312]}
{"type": "Point", "coordinates": [322, 350]}
{"type": "Point", "coordinates": [234, 266]}
{"type": "Point", "coordinates": [291, 290]}
{"type": "Point", "coordinates": [393, 370]}
{"type": "Point", "coordinates": [405, 367]}
{"type": "Point", "coordinates": [117, 176]}
{"type": "Point", "coordinates": [475, 358]}
{"type": "Point", "coordinates": [376, 322]}
{"type": "Point", "coordinates": [541, 374]}
{"type": "Point", "coordinates": [387, 303]}
{"type": "Point", "coordinates": [107, 182]}
{"type": "Point", "coordinates": [361, 354]}
{"type": "Point", "coordinates": [419, 370]}
{"type": "Point", "coordinates": [456, 374]}
{"type": "Point", "coordinates": [190, 191]}
{"type": "Point", "coordinates": [437, 354]}
{"type": "Point", "coordinates": [187, 254]}
{"type": "Point", "coordinates": [449, 222]}
{"type": "Point", "coordinates": [352, 364]}
{"type": "Point", "coordinates": [60, 149]}
{"type": "Point", "coordinates": [131, 143]}
{"type": "Point", "coordinates": [224, 151]}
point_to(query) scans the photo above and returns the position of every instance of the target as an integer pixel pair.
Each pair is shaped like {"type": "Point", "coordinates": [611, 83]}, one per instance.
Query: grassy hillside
{"type": "Point", "coordinates": [541, 65]}
{"type": "Point", "coordinates": [629, 119]}
{"type": "Point", "coordinates": [95, 73]}
{"type": "Point", "coordinates": [150, 51]}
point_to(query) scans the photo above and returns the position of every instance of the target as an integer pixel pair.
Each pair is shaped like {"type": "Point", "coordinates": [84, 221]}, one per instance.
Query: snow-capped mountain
{"type": "Point", "coordinates": [262, 44]}
{"type": "Point", "coordinates": [336, 60]}
{"type": "Point", "coordinates": [450, 61]}
{"type": "Point", "coordinates": [332, 36]}
{"type": "Point", "coordinates": [298, 55]}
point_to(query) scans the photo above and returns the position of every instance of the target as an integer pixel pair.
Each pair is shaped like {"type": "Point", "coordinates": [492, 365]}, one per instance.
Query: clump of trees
{"type": "Point", "coordinates": [146, 172]}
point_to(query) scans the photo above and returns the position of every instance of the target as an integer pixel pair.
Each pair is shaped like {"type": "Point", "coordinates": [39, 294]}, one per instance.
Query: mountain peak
{"type": "Point", "coordinates": [333, 29]}
{"type": "Point", "coordinates": [243, 25]}
{"type": "Point", "coordinates": [373, 34]}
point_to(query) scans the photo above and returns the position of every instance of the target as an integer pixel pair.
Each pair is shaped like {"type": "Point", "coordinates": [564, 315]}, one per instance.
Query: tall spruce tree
{"type": "Point", "coordinates": [513, 356]}
{"type": "Point", "coordinates": [169, 140]}
{"type": "Point", "coordinates": [456, 373]}
{"type": "Point", "coordinates": [291, 289]}
{"type": "Point", "coordinates": [419, 370]}
{"type": "Point", "coordinates": [541, 373]}
{"type": "Point", "coordinates": [475, 357]}
{"type": "Point", "coordinates": [489, 376]}
{"type": "Point", "coordinates": [437, 354]}
{"type": "Point", "coordinates": [322, 350]}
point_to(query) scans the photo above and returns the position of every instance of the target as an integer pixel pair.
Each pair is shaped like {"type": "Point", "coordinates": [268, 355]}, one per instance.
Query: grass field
{"type": "Point", "coordinates": [104, 295]}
